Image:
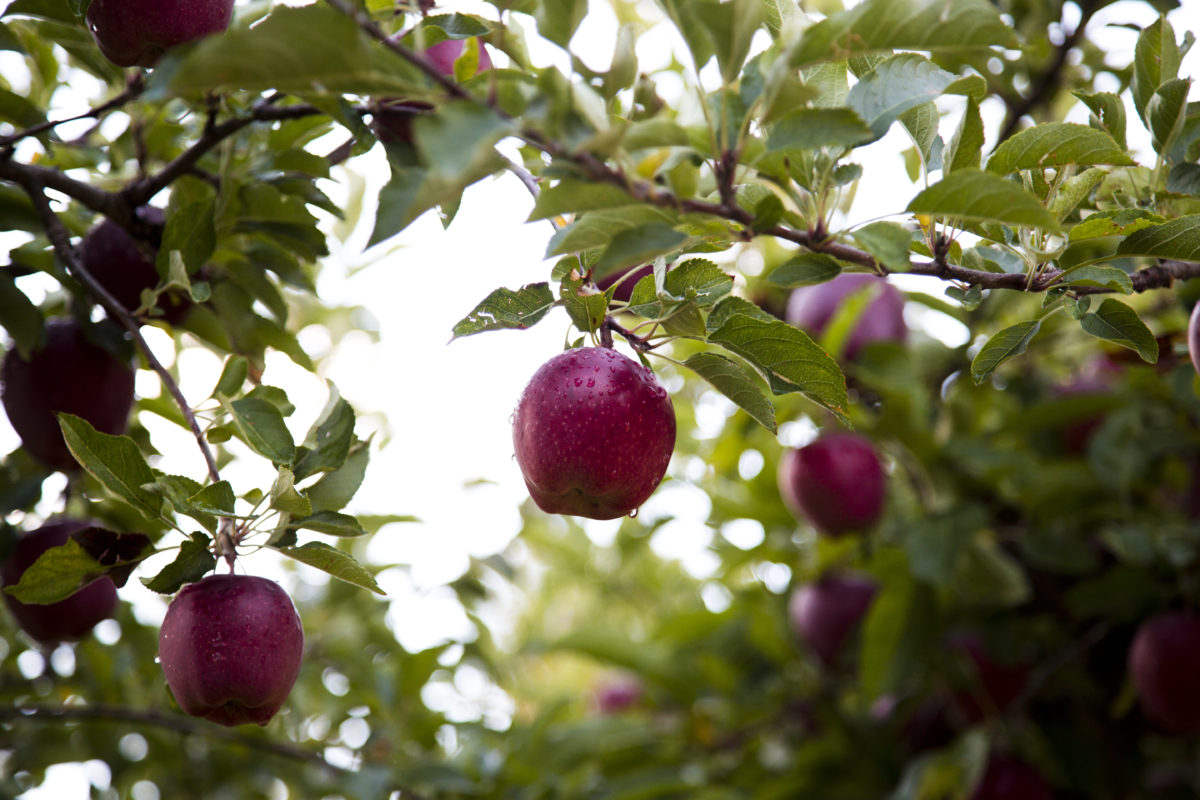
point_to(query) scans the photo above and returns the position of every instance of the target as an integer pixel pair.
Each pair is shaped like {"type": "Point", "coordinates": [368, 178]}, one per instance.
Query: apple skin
{"type": "Point", "coordinates": [135, 33]}
{"type": "Point", "coordinates": [1193, 336]}
{"type": "Point", "coordinates": [67, 620]}
{"type": "Point", "coordinates": [837, 483]}
{"type": "Point", "coordinates": [617, 696]}
{"type": "Point", "coordinates": [826, 612]}
{"type": "Point", "coordinates": [625, 291]}
{"type": "Point", "coordinates": [593, 434]}
{"type": "Point", "coordinates": [1008, 778]}
{"type": "Point", "coordinates": [230, 647]}
{"type": "Point", "coordinates": [70, 374]}
{"type": "Point", "coordinates": [125, 269]}
{"type": "Point", "coordinates": [394, 116]}
{"type": "Point", "coordinates": [1164, 661]}
{"type": "Point", "coordinates": [813, 307]}
{"type": "Point", "coordinates": [995, 686]}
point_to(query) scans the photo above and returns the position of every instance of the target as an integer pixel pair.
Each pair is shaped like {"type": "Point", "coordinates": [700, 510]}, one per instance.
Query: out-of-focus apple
{"type": "Point", "coordinates": [814, 307]}
{"type": "Point", "coordinates": [135, 33]}
{"type": "Point", "coordinates": [826, 612]}
{"type": "Point", "coordinates": [1008, 778]}
{"type": "Point", "coordinates": [125, 268]}
{"type": "Point", "coordinates": [993, 686]}
{"type": "Point", "coordinates": [628, 279]}
{"type": "Point", "coordinates": [837, 483]}
{"type": "Point", "coordinates": [1164, 661]}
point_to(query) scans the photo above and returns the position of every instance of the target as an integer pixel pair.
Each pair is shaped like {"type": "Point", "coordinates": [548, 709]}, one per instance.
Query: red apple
{"type": "Point", "coordinates": [837, 483]}
{"type": "Point", "coordinates": [825, 613]}
{"type": "Point", "coordinates": [593, 433]}
{"type": "Point", "coordinates": [813, 307]}
{"type": "Point", "coordinates": [1007, 778]}
{"type": "Point", "coordinates": [230, 647]}
{"type": "Point", "coordinates": [628, 278]}
{"type": "Point", "coordinates": [135, 33]}
{"type": "Point", "coordinates": [125, 268]}
{"type": "Point", "coordinates": [70, 374]}
{"type": "Point", "coordinates": [66, 620]}
{"type": "Point", "coordinates": [394, 116]}
{"type": "Point", "coordinates": [993, 686]}
{"type": "Point", "coordinates": [618, 695]}
{"type": "Point", "coordinates": [1164, 662]}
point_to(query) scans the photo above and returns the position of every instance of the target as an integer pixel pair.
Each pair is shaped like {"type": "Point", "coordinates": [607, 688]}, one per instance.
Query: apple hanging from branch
{"type": "Point", "coordinates": [135, 33]}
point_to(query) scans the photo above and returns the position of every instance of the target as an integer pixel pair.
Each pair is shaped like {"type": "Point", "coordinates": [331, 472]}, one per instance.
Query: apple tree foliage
{"type": "Point", "coordinates": [1043, 518]}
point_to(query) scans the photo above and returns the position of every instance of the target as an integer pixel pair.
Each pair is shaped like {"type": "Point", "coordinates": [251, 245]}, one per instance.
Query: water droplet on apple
{"type": "Point", "coordinates": [633, 514]}
{"type": "Point", "coordinates": [591, 383]}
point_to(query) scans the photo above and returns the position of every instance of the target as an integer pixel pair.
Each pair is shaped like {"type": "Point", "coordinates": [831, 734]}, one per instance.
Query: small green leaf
{"type": "Point", "coordinates": [330, 522]}
{"type": "Point", "coordinates": [1056, 144]}
{"type": "Point", "coordinates": [328, 441]}
{"type": "Point", "coordinates": [804, 270]}
{"type": "Point", "coordinates": [731, 306]}
{"type": "Point", "coordinates": [894, 86]}
{"type": "Point", "coordinates": [58, 573]}
{"type": "Point", "coordinates": [789, 358]}
{"type": "Point", "coordinates": [1177, 239]}
{"type": "Point", "coordinates": [1074, 191]}
{"type": "Point", "coordinates": [115, 461]}
{"type": "Point", "coordinates": [335, 489]}
{"type": "Point", "coordinates": [1004, 345]}
{"type": "Point", "coordinates": [572, 196]}
{"type": "Point", "coordinates": [1108, 114]}
{"type": "Point", "coordinates": [195, 560]}
{"type": "Point", "coordinates": [261, 426]}
{"type": "Point", "coordinates": [506, 309]}
{"type": "Point", "coordinates": [284, 496]}
{"type": "Point", "coordinates": [192, 232]}
{"type": "Point", "coordinates": [216, 498]}
{"type": "Point", "coordinates": [233, 376]}
{"type": "Point", "coordinates": [1114, 223]}
{"type": "Point", "coordinates": [887, 242]}
{"type": "Point", "coordinates": [1107, 277]}
{"type": "Point", "coordinates": [1167, 113]}
{"type": "Point", "coordinates": [732, 381]}
{"type": "Point", "coordinates": [1116, 322]}
{"type": "Point", "coordinates": [635, 246]}
{"type": "Point", "coordinates": [1156, 60]}
{"type": "Point", "coordinates": [337, 563]}
{"type": "Point", "coordinates": [810, 128]}
{"type": "Point", "coordinates": [966, 146]}
{"type": "Point", "coordinates": [974, 195]}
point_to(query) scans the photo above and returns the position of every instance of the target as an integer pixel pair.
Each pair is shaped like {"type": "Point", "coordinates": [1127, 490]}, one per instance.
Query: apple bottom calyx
{"type": "Point", "coordinates": [231, 647]}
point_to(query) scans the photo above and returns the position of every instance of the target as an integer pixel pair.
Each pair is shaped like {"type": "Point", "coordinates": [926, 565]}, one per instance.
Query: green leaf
{"type": "Point", "coordinates": [886, 25]}
{"type": "Point", "coordinates": [328, 440]}
{"type": "Point", "coordinates": [19, 316]}
{"type": "Point", "coordinates": [730, 307]}
{"type": "Point", "coordinates": [572, 196]}
{"type": "Point", "coordinates": [989, 576]}
{"type": "Point", "coordinates": [974, 195]}
{"type": "Point", "coordinates": [58, 573]}
{"type": "Point", "coordinates": [887, 242]}
{"type": "Point", "coordinates": [804, 270]}
{"type": "Point", "coordinates": [732, 381]}
{"type": "Point", "coordinates": [894, 86]}
{"type": "Point", "coordinates": [337, 563]}
{"type": "Point", "coordinates": [789, 358]}
{"type": "Point", "coordinates": [233, 376]}
{"type": "Point", "coordinates": [1177, 239]}
{"type": "Point", "coordinates": [966, 146]}
{"type": "Point", "coordinates": [192, 232]}
{"type": "Point", "coordinates": [635, 246]}
{"type": "Point", "coordinates": [313, 50]}
{"type": "Point", "coordinates": [897, 628]}
{"type": "Point", "coordinates": [1108, 114]}
{"type": "Point", "coordinates": [330, 522]}
{"type": "Point", "coordinates": [1116, 322]}
{"type": "Point", "coordinates": [1156, 60]}
{"type": "Point", "coordinates": [1114, 223]}
{"type": "Point", "coordinates": [335, 489]}
{"type": "Point", "coordinates": [596, 229]}
{"type": "Point", "coordinates": [506, 309]}
{"type": "Point", "coordinates": [115, 461]}
{"type": "Point", "coordinates": [557, 20]}
{"type": "Point", "coordinates": [216, 498]}
{"type": "Point", "coordinates": [1167, 113]}
{"type": "Point", "coordinates": [1107, 277]}
{"type": "Point", "coordinates": [285, 497]}
{"type": "Point", "coordinates": [810, 128]}
{"type": "Point", "coordinates": [1074, 191]}
{"type": "Point", "coordinates": [922, 125]}
{"type": "Point", "coordinates": [195, 560]}
{"type": "Point", "coordinates": [1056, 144]}
{"type": "Point", "coordinates": [178, 490]}
{"type": "Point", "coordinates": [1004, 345]}
{"type": "Point", "coordinates": [458, 141]}
{"type": "Point", "coordinates": [655, 132]}
{"type": "Point", "coordinates": [731, 26]}
{"type": "Point", "coordinates": [261, 426]}
{"type": "Point", "coordinates": [414, 190]}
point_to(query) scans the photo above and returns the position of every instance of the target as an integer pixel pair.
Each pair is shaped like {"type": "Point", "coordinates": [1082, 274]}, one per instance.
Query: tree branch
{"type": "Point", "coordinates": [134, 88]}
{"type": "Point", "coordinates": [60, 238]}
{"type": "Point", "coordinates": [1048, 82]}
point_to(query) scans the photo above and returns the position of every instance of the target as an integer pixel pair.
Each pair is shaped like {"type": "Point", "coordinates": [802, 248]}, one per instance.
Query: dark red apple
{"type": "Point", "coordinates": [1164, 662]}
{"type": "Point", "coordinates": [66, 620]}
{"type": "Point", "coordinates": [837, 483]}
{"type": "Point", "coordinates": [394, 116]}
{"type": "Point", "coordinates": [125, 268]}
{"type": "Point", "coordinates": [825, 613]}
{"type": "Point", "coordinates": [1193, 336]}
{"type": "Point", "coordinates": [593, 434]}
{"type": "Point", "coordinates": [1008, 778]}
{"type": "Point", "coordinates": [992, 685]}
{"type": "Point", "coordinates": [628, 278]}
{"type": "Point", "coordinates": [70, 374]}
{"type": "Point", "coordinates": [230, 647]}
{"type": "Point", "coordinates": [619, 695]}
{"type": "Point", "coordinates": [813, 307]}
{"type": "Point", "coordinates": [135, 33]}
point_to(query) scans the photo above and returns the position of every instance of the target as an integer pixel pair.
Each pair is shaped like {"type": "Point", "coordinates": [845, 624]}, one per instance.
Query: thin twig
{"type": "Point", "coordinates": [135, 87]}
{"type": "Point", "coordinates": [60, 239]}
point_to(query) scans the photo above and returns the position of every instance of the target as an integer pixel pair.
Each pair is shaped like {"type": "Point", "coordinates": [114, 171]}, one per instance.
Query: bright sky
{"type": "Point", "coordinates": [442, 410]}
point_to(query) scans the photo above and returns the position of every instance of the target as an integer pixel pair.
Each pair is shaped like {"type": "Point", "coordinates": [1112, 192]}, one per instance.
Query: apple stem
{"type": "Point", "coordinates": [639, 343]}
